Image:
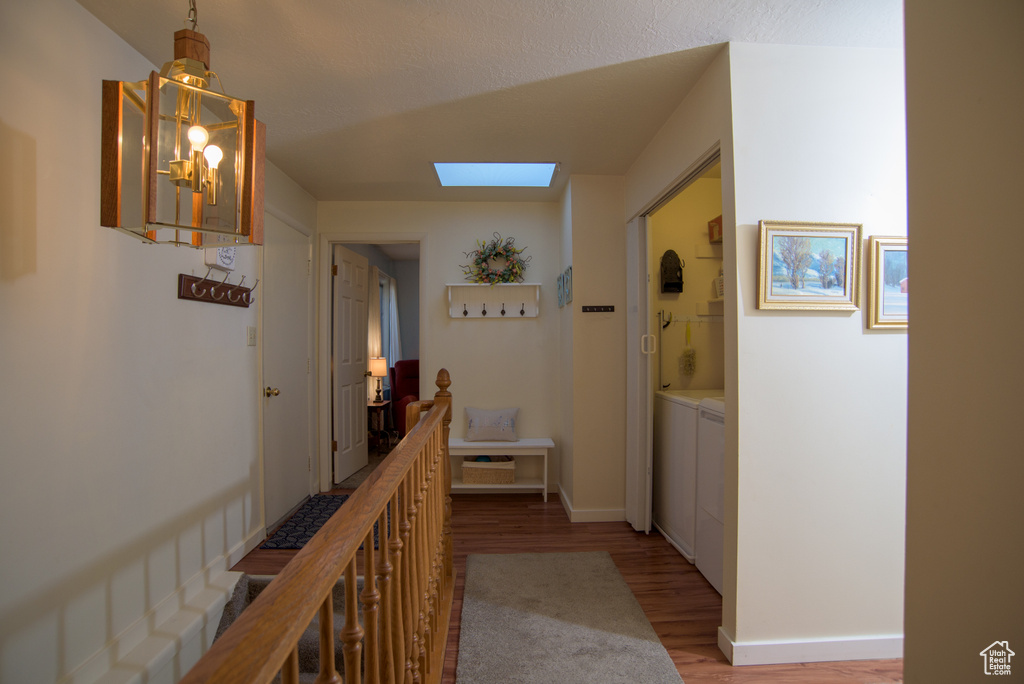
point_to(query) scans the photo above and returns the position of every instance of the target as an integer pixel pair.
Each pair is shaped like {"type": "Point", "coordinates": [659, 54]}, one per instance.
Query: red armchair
{"type": "Point", "coordinates": [405, 389]}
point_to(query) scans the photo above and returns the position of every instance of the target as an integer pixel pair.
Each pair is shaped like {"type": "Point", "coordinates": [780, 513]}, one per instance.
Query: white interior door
{"type": "Point", "coordinates": [286, 316]}
{"type": "Point", "coordinates": [349, 362]}
{"type": "Point", "coordinates": [640, 346]}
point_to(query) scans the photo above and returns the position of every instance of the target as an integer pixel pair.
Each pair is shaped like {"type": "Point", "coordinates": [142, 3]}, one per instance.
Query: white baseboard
{"type": "Point", "coordinates": [688, 555]}
{"type": "Point", "coordinates": [566, 504]}
{"type": "Point", "coordinates": [590, 514]}
{"type": "Point", "coordinates": [810, 651]}
{"type": "Point", "coordinates": [155, 639]}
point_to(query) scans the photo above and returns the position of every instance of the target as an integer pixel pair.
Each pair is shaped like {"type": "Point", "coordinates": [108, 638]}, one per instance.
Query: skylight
{"type": "Point", "coordinates": [490, 175]}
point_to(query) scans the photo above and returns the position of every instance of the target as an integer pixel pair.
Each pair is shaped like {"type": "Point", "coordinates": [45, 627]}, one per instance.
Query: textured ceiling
{"type": "Point", "coordinates": [360, 96]}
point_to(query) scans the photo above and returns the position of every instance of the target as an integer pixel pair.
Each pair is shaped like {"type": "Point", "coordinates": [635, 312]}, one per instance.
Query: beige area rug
{"type": "Point", "coordinates": [555, 617]}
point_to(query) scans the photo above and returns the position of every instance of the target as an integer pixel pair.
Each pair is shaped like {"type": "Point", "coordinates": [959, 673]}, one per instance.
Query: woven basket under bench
{"type": "Point", "coordinates": [499, 470]}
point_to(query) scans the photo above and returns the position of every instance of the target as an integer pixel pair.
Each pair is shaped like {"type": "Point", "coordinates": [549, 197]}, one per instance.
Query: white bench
{"type": "Point", "coordinates": [526, 478]}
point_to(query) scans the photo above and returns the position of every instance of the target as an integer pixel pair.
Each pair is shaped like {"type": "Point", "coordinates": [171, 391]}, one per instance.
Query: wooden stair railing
{"type": "Point", "coordinates": [408, 582]}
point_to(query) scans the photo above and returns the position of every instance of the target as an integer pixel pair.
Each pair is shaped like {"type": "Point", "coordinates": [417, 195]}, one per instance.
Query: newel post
{"type": "Point", "coordinates": [444, 398]}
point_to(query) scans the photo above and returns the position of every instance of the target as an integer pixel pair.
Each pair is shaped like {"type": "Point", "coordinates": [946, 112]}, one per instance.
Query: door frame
{"type": "Point", "coordinates": [640, 400]}
{"type": "Point", "coordinates": [324, 294]}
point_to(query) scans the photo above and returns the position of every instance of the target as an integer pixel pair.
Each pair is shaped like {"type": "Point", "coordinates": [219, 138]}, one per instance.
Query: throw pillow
{"type": "Point", "coordinates": [491, 426]}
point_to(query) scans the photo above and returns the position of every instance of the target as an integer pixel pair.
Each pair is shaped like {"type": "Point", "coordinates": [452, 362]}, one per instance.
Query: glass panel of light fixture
{"type": "Point", "coordinates": [133, 122]}
{"type": "Point", "coordinates": [183, 106]}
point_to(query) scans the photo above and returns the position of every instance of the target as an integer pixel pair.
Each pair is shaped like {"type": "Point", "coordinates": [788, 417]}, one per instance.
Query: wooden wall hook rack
{"type": "Point", "coordinates": [205, 289]}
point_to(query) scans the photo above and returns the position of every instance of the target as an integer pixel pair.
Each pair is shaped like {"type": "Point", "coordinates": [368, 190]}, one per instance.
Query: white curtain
{"type": "Point", "coordinates": [395, 351]}
{"type": "Point", "coordinates": [373, 342]}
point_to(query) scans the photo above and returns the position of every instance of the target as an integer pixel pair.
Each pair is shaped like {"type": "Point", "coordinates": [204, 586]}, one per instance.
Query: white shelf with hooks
{"type": "Point", "coordinates": [502, 300]}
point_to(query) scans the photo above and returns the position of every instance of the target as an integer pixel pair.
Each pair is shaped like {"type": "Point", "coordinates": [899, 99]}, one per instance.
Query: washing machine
{"type": "Point", "coordinates": [674, 490]}
{"type": "Point", "coordinates": [710, 528]}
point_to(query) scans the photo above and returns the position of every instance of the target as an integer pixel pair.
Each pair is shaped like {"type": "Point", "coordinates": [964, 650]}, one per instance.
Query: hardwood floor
{"type": "Point", "coordinates": [681, 605]}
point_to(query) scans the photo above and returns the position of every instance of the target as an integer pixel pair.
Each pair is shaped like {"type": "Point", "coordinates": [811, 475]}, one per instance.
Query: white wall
{"type": "Point", "coordinates": [965, 519]}
{"type": "Point", "coordinates": [701, 124]}
{"type": "Point", "coordinates": [407, 273]}
{"type": "Point", "coordinates": [820, 402]}
{"type": "Point", "coordinates": [128, 420]}
{"type": "Point", "coordinates": [598, 349]}
{"type": "Point", "coordinates": [494, 362]}
{"type": "Point", "coordinates": [814, 527]}
{"type": "Point", "coordinates": [287, 201]}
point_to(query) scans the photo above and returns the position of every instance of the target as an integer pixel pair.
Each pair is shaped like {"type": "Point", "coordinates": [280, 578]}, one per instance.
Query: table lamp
{"type": "Point", "coordinates": [378, 369]}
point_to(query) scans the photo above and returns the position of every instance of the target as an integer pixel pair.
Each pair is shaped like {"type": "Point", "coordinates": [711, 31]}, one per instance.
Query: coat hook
{"type": "Point", "coordinates": [236, 287]}
{"type": "Point", "coordinates": [503, 308]}
{"type": "Point", "coordinates": [200, 294]}
{"type": "Point", "coordinates": [465, 311]}
{"type": "Point", "coordinates": [248, 295]}
{"type": "Point", "coordinates": [522, 311]}
{"type": "Point", "coordinates": [485, 309]}
{"type": "Point", "coordinates": [213, 290]}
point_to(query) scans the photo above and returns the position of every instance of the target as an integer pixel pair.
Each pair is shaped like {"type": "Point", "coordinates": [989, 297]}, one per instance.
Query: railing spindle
{"type": "Point", "coordinates": [424, 567]}
{"type": "Point", "coordinates": [397, 631]}
{"type": "Point", "coordinates": [290, 671]}
{"type": "Point", "coordinates": [432, 529]}
{"type": "Point", "coordinates": [384, 574]}
{"type": "Point", "coordinates": [352, 633]}
{"type": "Point", "coordinates": [328, 672]}
{"type": "Point", "coordinates": [424, 573]}
{"type": "Point", "coordinates": [407, 589]}
{"type": "Point", "coordinates": [371, 602]}
{"type": "Point", "coordinates": [414, 552]}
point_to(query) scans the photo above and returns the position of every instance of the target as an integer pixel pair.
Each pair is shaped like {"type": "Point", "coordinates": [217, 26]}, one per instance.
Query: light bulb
{"type": "Point", "coordinates": [213, 155]}
{"type": "Point", "coordinates": [198, 136]}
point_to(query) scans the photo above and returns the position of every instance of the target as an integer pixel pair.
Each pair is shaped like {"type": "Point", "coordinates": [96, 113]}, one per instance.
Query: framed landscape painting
{"type": "Point", "coordinates": [809, 266]}
{"type": "Point", "coordinates": [888, 282]}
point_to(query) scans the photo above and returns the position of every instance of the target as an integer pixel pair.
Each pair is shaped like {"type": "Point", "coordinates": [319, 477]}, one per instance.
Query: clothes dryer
{"type": "Point", "coordinates": [710, 533]}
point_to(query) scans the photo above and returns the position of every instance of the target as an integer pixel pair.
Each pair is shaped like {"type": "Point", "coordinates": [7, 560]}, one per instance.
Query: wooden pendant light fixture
{"type": "Point", "coordinates": [181, 163]}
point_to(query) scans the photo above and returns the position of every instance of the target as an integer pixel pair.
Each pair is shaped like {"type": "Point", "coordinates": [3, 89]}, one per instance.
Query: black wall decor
{"type": "Point", "coordinates": [671, 272]}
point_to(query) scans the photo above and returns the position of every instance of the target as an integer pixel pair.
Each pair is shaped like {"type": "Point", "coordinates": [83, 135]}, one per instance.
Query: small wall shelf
{"type": "Point", "coordinates": [706, 251]}
{"type": "Point", "coordinates": [712, 307]}
{"type": "Point", "coordinates": [480, 300]}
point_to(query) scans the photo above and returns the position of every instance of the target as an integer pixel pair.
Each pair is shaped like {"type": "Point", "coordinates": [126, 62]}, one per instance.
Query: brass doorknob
{"type": "Point", "coordinates": [271, 392]}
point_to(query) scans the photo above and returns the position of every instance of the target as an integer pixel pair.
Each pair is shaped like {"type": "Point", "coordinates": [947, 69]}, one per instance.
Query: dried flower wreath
{"type": "Point", "coordinates": [497, 261]}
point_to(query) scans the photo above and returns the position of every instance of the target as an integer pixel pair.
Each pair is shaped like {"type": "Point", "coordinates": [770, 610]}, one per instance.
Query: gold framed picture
{"type": "Point", "coordinates": [888, 282]}
{"type": "Point", "coordinates": [809, 266]}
